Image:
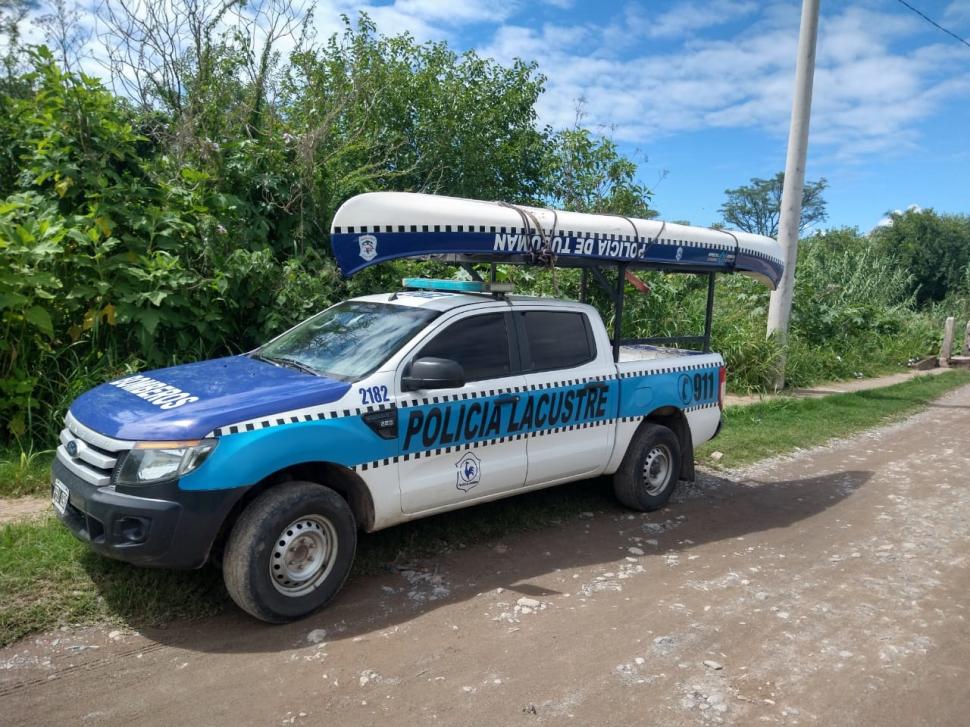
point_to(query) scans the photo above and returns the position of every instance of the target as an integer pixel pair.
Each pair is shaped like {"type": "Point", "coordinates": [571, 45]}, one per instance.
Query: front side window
{"type": "Point", "coordinates": [347, 341]}
{"type": "Point", "coordinates": [557, 340]}
{"type": "Point", "coordinates": [479, 343]}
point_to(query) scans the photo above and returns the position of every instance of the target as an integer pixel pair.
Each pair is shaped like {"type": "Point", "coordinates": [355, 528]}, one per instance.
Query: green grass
{"type": "Point", "coordinates": [47, 578]}
{"type": "Point", "coordinates": [24, 473]}
{"type": "Point", "coordinates": [781, 425]}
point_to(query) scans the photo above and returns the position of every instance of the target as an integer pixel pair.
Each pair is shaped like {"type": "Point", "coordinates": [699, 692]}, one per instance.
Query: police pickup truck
{"type": "Point", "coordinates": [378, 410]}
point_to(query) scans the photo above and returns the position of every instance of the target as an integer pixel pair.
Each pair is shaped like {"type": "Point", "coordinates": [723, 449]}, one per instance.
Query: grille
{"type": "Point", "coordinates": [95, 455]}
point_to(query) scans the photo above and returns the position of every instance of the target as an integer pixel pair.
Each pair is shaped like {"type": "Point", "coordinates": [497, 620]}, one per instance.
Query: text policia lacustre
{"type": "Point", "coordinates": [466, 421]}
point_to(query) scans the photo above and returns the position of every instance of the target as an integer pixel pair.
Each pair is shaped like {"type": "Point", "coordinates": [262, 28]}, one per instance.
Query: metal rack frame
{"type": "Point", "coordinates": [616, 293]}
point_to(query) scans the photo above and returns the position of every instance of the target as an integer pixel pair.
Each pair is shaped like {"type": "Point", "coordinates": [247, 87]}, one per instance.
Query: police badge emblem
{"type": "Point", "coordinates": [368, 247]}
{"type": "Point", "coordinates": [469, 471]}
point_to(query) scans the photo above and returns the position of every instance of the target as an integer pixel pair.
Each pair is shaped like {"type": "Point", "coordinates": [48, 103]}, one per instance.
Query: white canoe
{"type": "Point", "coordinates": [380, 226]}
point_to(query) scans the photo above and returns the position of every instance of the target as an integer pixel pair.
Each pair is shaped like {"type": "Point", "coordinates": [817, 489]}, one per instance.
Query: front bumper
{"type": "Point", "coordinates": [160, 526]}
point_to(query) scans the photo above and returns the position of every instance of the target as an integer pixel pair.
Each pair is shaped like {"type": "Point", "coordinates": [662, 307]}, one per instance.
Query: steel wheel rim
{"type": "Point", "coordinates": [303, 555]}
{"type": "Point", "coordinates": [656, 469]}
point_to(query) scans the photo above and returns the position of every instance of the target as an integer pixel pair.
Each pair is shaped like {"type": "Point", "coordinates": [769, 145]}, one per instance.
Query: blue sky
{"type": "Point", "coordinates": [699, 92]}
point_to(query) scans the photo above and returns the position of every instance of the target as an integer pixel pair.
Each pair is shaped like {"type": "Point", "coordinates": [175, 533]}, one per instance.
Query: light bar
{"type": "Point", "coordinates": [455, 286]}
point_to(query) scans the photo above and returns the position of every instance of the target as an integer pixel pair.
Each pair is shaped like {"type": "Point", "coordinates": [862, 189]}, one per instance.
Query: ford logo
{"type": "Point", "coordinates": [71, 448]}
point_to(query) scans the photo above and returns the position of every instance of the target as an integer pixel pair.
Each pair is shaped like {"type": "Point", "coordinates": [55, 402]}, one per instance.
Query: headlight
{"type": "Point", "coordinates": [149, 462]}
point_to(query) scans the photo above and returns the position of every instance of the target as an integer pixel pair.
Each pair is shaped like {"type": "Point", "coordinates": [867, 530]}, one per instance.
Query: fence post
{"type": "Point", "coordinates": [966, 341]}
{"type": "Point", "coordinates": [947, 350]}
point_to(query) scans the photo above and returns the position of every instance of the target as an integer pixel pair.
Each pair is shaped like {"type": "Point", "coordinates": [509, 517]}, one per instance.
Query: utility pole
{"type": "Point", "coordinates": [779, 311]}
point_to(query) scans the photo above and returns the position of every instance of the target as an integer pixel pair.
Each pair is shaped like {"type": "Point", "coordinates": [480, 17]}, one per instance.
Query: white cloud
{"type": "Point", "coordinates": [647, 74]}
{"type": "Point", "coordinates": [685, 18]}
{"type": "Point", "coordinates": [431, 19]}
{"type": "Point", "coordinates": [560, 4]}
{"type": "Point", "coordinates": [424, 19]}
{"type": "Point", "coordinates": [887, 221]}
{"type": "Point", "coordinates": [871, 86]}
{"type": "Point", "coordinates": [957, 15]}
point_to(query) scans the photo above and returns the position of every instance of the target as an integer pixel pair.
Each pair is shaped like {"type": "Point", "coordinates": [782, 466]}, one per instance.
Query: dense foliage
{"type": "Point", "coordinates": [934, 248]}
{"type": "Point", "coordinates": [192, 221]}
{"type": "Point", "coordinates": [187, 217]}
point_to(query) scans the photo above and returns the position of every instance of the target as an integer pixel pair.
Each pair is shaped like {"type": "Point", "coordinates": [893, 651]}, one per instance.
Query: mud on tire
{"type": "Point", "coordinates": [290, 551]}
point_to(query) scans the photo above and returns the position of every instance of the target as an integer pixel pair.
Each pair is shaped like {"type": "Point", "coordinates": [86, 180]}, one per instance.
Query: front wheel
{"type": "Point", "coordinates": [290, 551]}
{"type": "Point", "coordinates": [650, 470]}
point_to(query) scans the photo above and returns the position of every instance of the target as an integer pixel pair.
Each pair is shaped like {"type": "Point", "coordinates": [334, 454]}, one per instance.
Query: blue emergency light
{"type": "Point", "coordinates": [456, 286]}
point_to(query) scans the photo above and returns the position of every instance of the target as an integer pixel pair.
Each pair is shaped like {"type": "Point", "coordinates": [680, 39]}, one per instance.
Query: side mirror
{"type": "Point", "coordinates": [433, 373]}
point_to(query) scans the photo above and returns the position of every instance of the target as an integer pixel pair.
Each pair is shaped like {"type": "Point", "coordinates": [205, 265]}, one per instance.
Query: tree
{"type": "Point", "coordinates": [756, 207]}
{"type": "Point", "coordinates": [585, 172]}
{"type": "Point", "coordinates": [189, 214]}
{"type": "Point", "coordinates": [447, 123]}
{"type": "Point", "coordinates": [933, 248]}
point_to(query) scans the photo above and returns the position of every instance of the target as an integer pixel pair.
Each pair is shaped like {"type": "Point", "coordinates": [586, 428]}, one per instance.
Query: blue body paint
{"type": "Point", "coordinates": [247, 457]}
{"type": "Point", "coordinates": [223, 390]}
{"type": "Point", "coordinates": [426, 241]}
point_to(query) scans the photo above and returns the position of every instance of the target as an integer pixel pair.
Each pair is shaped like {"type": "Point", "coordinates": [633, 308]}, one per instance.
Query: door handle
{"type": "Point", "coordinates": [507, 398]}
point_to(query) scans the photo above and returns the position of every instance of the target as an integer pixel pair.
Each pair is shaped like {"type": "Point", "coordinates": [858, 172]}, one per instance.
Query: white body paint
{"type": "Point", "coordinates": [407, 487]}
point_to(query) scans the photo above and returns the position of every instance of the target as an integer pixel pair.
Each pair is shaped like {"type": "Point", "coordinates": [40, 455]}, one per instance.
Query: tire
{"type": "Point", "coordinates": [650, 470]}
{"type": "Point", "coordinates": [279, 563]}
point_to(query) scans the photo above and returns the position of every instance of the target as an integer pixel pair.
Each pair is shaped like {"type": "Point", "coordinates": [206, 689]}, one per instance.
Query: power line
{"type": "Point", "coordinates": [933, 22]}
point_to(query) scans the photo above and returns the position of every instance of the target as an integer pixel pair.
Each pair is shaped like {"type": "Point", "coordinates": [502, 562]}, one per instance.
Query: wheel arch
{"type": "Point", "coordinates": [675, 420]}
{"type": "Point", "coordinates": [347, 483]}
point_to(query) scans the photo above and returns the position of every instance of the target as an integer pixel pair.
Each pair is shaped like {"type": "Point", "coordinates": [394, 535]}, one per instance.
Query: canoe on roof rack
{"type": "Point", "coordinates": [372, 228]}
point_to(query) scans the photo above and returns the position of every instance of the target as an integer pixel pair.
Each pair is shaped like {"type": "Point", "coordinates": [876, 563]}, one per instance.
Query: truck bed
{"type": "Point", "coordinates": [643, 352]}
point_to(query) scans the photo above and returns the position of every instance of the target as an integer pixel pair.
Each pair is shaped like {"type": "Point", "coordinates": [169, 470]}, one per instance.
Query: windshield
{"type": "Point", "coordinates": [347, 341]}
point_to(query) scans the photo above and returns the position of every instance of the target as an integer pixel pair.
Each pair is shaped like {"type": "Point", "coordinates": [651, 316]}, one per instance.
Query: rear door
{"type": "Point", "coordinates": [455, 444]}
{"type": "Point", "coordinates": [572, 389]}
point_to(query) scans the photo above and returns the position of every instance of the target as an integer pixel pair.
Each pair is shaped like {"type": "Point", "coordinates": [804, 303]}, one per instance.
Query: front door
{"type": "Point", "coordinates": [455, 444]}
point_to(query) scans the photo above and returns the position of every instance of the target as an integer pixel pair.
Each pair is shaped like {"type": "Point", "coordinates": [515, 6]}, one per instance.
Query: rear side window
{"type": "Point", "coordinates": [557, 340]}
{"type": "Point", "coordinates": [479, 343]}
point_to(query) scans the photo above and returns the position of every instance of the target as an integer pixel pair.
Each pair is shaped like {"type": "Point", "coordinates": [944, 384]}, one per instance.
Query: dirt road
{"type": "Point", "coordinates": [835, 387]}
{"type": "Point", "coordinates": [826, 588]}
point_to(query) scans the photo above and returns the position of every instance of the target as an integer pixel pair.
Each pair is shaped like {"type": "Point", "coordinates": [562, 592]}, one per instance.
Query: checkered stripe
{"type": "Point", "coordinates": [501, 440]}
{"type": "Point", "coordinates": [759, 254]}
{"type": "Point", "coordinates": [698, 407]}
{"type": "Point", "coordinates": [664, 370]}
{"type": "Point", "coordinates": [338, 412]}
{"type": "Point", "coordinates": [686, 410]}
{"type": "Point", "coordinates": [497, 229]}
{"type": "Point", "coordinates": [377, 229]}
{"type": "Point", "coordinates": [304, 415]}
{"type": "Point", "coordinates": [499, 392]}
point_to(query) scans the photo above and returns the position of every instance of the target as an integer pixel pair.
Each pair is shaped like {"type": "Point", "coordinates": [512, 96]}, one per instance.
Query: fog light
{"type": "Point", "coordinates": [133, 529]}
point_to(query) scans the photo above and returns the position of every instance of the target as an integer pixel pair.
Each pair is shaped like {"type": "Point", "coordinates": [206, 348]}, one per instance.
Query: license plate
{"type": "Point", "coordinates": [59, 496]}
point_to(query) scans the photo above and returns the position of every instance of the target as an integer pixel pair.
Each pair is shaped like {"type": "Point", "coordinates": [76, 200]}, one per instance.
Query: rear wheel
{"type": "Point", "coordinates": [290, 551]}
{"type": "Point", "coordinates": [650, 470]}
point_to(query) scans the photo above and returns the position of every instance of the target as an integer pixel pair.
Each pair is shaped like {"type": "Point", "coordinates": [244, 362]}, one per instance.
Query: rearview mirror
{"type": "Point", "coordinates": [433, 373]}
